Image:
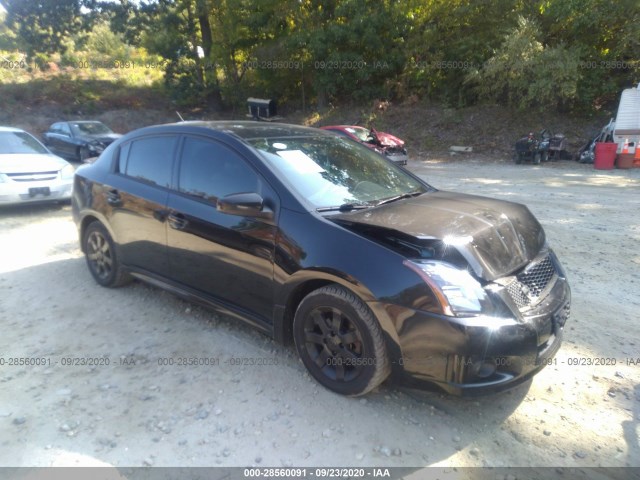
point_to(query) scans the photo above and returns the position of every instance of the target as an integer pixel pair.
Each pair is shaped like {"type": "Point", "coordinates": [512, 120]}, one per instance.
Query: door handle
{"type": "Point", "coordinates": [177, 221]}
{"type": "Point", "coordinates": [113, 198]}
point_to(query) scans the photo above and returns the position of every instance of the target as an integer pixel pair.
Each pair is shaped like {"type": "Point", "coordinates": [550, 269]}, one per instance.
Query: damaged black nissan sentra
{"type": "Point", "coordinates": [315, 239]}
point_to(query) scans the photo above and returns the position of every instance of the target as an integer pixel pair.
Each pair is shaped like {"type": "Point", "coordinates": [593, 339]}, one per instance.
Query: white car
{"type": "Point", "coordinates": [29, 172]}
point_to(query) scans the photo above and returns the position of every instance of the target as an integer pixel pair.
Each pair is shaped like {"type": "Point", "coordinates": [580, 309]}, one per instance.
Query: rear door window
{"type": "Point", "coordinates": [149, 159]}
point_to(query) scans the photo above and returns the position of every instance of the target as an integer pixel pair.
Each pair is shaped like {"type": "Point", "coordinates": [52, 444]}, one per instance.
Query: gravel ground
{"type": "Point", "coordinates": [582, 412]}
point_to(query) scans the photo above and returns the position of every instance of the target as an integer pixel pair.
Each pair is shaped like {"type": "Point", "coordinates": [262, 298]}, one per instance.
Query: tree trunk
{"type": "Point", "coordinates": [214, 97]}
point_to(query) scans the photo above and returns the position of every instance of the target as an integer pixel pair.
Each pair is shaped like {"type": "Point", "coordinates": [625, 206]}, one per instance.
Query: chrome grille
{"type": "Point", "coordinates": [517, 294]}
{"type": "Point", "coordinates": [530, 284]}
{"type": "Point", "coordinates": [32, 177]}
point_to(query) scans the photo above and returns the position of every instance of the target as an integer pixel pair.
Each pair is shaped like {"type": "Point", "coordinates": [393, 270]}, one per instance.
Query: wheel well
{"type": "Point", "coordinates": [86, 221]}
{"type": "Point", "coordinates": [294, 300]}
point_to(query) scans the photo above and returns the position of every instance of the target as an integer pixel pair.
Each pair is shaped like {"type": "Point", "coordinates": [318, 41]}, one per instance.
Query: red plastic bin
{"type": "Point", "coordinates": [605, 155]}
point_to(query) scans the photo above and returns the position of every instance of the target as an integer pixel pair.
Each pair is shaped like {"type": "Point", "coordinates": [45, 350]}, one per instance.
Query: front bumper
{"type": "Point", "coordinates": [12, 192]}
{"type": "Point", "coordinates": [479, 355]}
{"type": "Point", "coordinates": [397, 157]}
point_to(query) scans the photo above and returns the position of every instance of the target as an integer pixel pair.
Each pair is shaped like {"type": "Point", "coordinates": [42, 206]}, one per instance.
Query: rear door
{"type": "Point", "coordinates": [224, 256]}
{"type": "Point", "coordinates": [137, 196]}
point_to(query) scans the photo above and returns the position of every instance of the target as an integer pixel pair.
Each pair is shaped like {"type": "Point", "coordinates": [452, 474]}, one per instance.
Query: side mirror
{"type": "Point", "coordinates": [244, 205]}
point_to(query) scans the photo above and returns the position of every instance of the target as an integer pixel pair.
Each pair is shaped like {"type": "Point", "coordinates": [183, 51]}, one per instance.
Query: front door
{"type": "Point", "coordinates": [224, 256]}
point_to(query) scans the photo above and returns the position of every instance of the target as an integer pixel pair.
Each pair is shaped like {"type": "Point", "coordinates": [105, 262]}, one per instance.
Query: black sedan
{"type": "Point", "coordinates": [315, 239]}
{"type": "Point", "coordinates": [79, 140]}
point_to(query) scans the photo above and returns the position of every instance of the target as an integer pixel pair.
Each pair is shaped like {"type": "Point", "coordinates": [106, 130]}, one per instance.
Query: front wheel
{"type": "Point", "coordinates": [83, 154]}
{"type": "Point", "coordinates": [101, 256]}
{"type": "Point", "coordinates": [340, 342]}
{"type": "Point", "coordinates": [536, 158]}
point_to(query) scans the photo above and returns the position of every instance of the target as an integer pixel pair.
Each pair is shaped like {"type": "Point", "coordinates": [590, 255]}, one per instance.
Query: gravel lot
{"type": "Point", "coordinates": [582, 412]}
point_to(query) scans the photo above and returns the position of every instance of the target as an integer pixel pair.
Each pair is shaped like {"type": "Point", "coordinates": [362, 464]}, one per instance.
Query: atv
{"type": "Point", "coordinates": [532, 148]}
{"type": "Point", "coordinates": [541, 148]}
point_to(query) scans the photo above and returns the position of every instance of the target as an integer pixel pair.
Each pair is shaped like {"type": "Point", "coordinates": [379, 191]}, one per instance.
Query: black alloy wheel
{"type": "Point", "coordinates": [101, 256]}
{"type": "Point", "coordinates": [340, 341]}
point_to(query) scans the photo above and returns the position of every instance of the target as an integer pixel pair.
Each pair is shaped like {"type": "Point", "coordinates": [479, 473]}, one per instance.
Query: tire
{"type": "Point", "coordinates": [83, 154]}
{"type": "Point", "coordinates": [340, 342]}
{"type": "Point", "coordinates": [537, 158]}
{"type": "Point", "coordinates": [102, 258]}
{"type": "Point", "coordinates": [545, 156]}
{"type": "Point", "coordinates": [517, 158]}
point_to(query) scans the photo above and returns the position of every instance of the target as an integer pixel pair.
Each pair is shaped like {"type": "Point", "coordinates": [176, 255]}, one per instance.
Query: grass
{"type": "Point", "coordinates": [79, 90]}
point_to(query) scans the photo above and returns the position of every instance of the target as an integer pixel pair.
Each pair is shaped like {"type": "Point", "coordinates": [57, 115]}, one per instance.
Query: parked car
{"type": "Point", "coordinates": [29, 172]}
{"type": "Point", "coordinates": [79, 140]}
{"type": "Point", "coordinates": [312, 238]}
{"type": "Point", "coordinates": [381, 142]}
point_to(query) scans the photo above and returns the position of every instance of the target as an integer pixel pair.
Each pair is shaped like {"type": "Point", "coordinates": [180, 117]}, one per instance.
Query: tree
{"type": "Point", "coordinates": [449, 38]}
{"type": "Point", "coordinates": [524, 73]}
{"type": "Point", "coordinates": [42, 26]}
{"type": "Point", "coordinates": [352, 47]}
{"type": "Point", "coordinates": [7, 36]}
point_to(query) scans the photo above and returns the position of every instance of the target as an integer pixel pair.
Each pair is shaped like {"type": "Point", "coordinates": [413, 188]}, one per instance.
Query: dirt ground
{"type": "Point", "coordinates": [582, 412]}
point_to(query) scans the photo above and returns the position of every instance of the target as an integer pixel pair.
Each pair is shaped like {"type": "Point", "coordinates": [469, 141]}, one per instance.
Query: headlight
{"type": "Point", "coordinates": [67, 172]}
{"type": "Point", "coordinates": [457, 291]}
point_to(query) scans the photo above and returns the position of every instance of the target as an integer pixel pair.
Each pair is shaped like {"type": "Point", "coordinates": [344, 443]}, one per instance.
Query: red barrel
{"type": "Point", "coordinates": [605, 155]}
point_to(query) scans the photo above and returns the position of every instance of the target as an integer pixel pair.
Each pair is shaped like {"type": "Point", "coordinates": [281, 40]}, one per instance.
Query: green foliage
{"type": "Point", "coordinates": [559, 54]}
{"type": "Point", "coordinates": [574, 54]}
{"type": "Point", "coordinates": [353, 48]}
{"type": "Point", "coordinates": [43, 25]}
{"type": "Point", "coordinates": [524, 73]}
{"type": "Point", "coordinates": [8, 40]}
{"type": "Point", "coordinates": [449, 38]}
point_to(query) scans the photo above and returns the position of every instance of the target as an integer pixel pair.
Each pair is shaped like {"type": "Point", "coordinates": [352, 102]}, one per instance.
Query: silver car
{"type": "Point", "coordinates": [29, 172]}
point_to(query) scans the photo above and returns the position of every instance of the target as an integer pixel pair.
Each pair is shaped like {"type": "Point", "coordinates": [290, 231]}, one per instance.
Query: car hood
{"type": "Point", "coordinates": [30, 163]}
{"type": "Point", "coordinates": [388, 140]}
{"type": "Point", "coordinates": [104, 138]}
{"type": "Point", "coordinates": [494, 237]}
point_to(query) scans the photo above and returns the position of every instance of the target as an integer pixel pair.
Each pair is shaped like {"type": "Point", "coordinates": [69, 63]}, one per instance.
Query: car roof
{"type": "Point", "coordinates": [10, 129]}
{"type": "Point", "coordinates": [344, 127]}
{"type": "Point", "coordinates": [248, 130]}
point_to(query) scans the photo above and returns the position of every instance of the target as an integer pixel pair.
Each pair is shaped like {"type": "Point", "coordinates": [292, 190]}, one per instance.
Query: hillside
{"type": "Point", "coordinates": [429, 129]}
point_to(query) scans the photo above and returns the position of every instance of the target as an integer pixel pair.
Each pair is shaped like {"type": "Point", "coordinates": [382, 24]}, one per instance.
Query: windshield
{"type": "Point", "coordinates": [90, 128]}
{"type": "Point", "coordinates": [334, 171]}
{"type": "Point", "coordinates": [20, 142]}
{"type": "Point", "coordinates": [362, 133]}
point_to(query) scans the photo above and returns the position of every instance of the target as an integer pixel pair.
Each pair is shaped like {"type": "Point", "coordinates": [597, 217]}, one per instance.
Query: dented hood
{"type": "Point", "coordinates": [495, 237]}
{"type": "Point", "coordinates": [106, 138]}
{"type": "Point", "coordinates": [388, 140]}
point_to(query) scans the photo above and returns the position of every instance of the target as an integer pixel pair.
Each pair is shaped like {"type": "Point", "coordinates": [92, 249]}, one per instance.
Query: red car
{"type": "Point", "coordinates": [381, 142]}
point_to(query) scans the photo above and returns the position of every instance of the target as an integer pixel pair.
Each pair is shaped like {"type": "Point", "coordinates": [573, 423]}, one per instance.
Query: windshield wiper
{"type": "Point", "coordinates": [345, 207]}
{"type": "Point", "coordinates": [398, 197]}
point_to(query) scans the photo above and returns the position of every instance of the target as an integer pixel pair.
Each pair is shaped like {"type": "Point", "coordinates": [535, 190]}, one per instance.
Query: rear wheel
{"type": "Point", "coordinates": [340, 342]}
{"type": "Point", "coordinates": [102, 258]}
